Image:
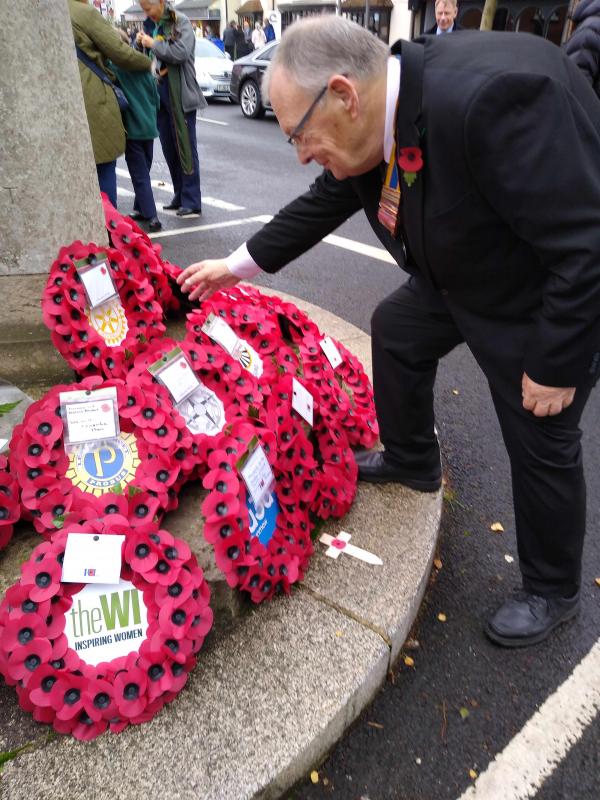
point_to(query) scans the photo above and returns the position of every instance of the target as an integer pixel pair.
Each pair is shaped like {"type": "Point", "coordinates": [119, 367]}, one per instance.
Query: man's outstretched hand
{"type": "Point", "coordinates": [545, 401]}
{"type": "Point", "coordinates": [202, 279]}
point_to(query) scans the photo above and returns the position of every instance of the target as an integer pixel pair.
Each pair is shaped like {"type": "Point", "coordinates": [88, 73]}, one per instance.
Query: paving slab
{"type": "Point", "coordinates": [263, 705]}
{"type": "Point", "coordinates": [398, 525]}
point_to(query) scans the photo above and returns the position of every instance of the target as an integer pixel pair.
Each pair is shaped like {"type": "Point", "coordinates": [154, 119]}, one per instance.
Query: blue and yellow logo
{"type": "Point", "coordinates": [97, 471]}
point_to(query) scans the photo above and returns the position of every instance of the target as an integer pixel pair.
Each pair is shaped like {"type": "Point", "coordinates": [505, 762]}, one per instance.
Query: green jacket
{"type": "Point", "coordinates": [99, 41]}
{"type": "Point", "coordinates": [142, 94]}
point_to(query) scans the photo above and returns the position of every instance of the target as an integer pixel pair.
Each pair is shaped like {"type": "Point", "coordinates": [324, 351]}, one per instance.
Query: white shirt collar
{"type": "Point", "coordinates": [393, 89]}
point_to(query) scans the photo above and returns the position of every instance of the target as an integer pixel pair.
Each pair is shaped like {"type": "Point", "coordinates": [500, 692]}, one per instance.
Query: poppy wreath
{"type": "Point", "coordinates": [264, 562]}
{"type": "Point", "coordinates": [43, 650]}
{"type": "Point", "coordinates": [358, 415]}
{"type": "Point", "coordinates": [236, 391]}
{"type": "Point", "coordinates": [104, 340]}
{"type": "Point", "coordinates": [254, 326]}
{"type": "Point", "coordinates": [128, 238]}
{"type": "Point", "coordinates": [139, 477]}
{"type": "Point", "coordinates": [334, 473]}
{"type": "Point", "coordinates": [10, 506]}
{"type": "Point", "coordinates": [289, 342]}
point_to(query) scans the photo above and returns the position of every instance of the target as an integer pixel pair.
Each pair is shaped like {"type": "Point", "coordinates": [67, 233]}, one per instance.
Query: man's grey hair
{"type": "Point", "coordinates": [315, 48]}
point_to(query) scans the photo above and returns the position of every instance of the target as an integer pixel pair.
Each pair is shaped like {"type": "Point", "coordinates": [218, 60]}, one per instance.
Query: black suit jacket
{"type": "Point", "coordinates": [433, 29]}
{"type": "Point", "coordinates": [504, 217]}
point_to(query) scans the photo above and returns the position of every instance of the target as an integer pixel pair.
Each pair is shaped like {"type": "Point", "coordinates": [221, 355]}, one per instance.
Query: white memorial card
{"type": "Point", "coordinates": [179, 378]}
{"type": "Point", "coordinates": [90, 416]}
{"type": "Point", "coordinates": [302, 401]}
{"type": "Point", "coordinates": [220, 332]}
{"type": "Point", "coordinates": [331, 351]}
{"type": "Point", "coordinates": [258, 475]}
{"type": "Point", "coordinates": [98, 283]}
{"type": "Point", "coordinates": [92, 558]}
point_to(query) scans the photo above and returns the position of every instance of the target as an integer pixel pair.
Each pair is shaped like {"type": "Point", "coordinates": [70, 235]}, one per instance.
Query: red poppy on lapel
{"type": "Point", "coordinates": [410, 161]}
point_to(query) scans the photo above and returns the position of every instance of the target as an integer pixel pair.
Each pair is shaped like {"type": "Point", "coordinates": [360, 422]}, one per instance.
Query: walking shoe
{"type": "Point", "coordinates": [528, 618]}
{"type": "Point", "coordinates": [137, 216]}
{"type": "Point", "coordinates": [186, 212]}
{"type": "Point", "coordinates": [173, 206]}
{"type": "Point", "coordinates": [373, 467]}
{"type": "Point", "coordinates": [154, 225]}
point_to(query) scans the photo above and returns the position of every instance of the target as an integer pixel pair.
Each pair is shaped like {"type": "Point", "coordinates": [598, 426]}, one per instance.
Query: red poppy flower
{"type": "Point", "coordinates": [410, 159]}
{"type": "Point", "coordinates": [26, 658]}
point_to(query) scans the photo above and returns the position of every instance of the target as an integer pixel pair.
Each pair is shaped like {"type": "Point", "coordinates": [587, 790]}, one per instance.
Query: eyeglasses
{"type": "Point", "coordinates": [293, 138]}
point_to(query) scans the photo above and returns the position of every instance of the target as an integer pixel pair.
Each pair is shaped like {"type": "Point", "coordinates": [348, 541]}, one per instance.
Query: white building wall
{"type": "Point", "coordinates": [400, 21]}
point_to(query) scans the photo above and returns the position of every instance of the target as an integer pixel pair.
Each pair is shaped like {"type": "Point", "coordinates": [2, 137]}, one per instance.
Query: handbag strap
{"type": "Point", "coordinates": [94, 67]}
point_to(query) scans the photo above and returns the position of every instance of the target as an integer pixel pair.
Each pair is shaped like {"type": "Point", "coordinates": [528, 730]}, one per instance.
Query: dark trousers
{"type": "Point", "coordinates": [107, 180]}
{"type": "Point", "coordinates": [186, 187]}
{"type": "Point", "coordinates": [411, 330]}
{"type": "Point", "coordinates": [138, 156]}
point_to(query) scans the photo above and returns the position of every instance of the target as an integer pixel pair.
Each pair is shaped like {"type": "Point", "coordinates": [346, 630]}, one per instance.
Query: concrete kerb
{"type": "Point", "coordinates": [272, 693]}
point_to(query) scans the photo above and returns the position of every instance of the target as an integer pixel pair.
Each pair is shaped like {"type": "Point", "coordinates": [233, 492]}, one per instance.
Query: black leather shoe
{"type": "Point", "coordinates": [173, 206]}
{"type": "Point", "coordinates": [137, 216]}
{"type": "Point", "coordinates": [186, 212]}
{"type": "Point", "coordinates": [154, 225]}
{"type": "Point", "coordinates": [372, 467]}
{"type": "Point", "coordinates": [527, 618]}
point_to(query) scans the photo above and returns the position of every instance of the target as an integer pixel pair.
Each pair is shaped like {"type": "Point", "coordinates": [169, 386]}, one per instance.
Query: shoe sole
{"type": "Point", "coordinates": [417, 486]}
{"type": "Point", "coordinates": [519, 641]}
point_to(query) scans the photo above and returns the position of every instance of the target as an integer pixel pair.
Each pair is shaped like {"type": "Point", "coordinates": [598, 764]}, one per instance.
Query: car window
{"type": "Point", "coordinates": [266, 54]}
{"type": "Point", "coordinates": [206, 49]}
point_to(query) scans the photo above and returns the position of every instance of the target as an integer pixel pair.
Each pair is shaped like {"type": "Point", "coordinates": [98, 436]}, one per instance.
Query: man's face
{"type": "Point", "coordinates": [153, 10]}
{"type": "Point", "coordinates": [445, 14]}
{"type": "Point", "coordinates": [326, 136]}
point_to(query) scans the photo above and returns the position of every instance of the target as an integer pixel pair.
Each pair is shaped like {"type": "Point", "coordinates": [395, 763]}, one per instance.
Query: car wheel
{"type": "Point", "coordinates": [250, 100]}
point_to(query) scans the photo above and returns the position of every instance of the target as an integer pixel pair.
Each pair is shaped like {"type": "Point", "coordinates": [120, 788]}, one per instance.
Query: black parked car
{"type": "Point", "coordinates": [246, 79]}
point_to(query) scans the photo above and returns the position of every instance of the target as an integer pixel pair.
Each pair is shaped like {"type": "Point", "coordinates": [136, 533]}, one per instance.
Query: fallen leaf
{"type": "Point", "coordinates": [161, 183]}
{"type": "Point", "coordinates": [375, 725]}
{"type": "Point", "coordinates": [464, 712]}
{"type": "Point", "coordinates": [474, 703]}
{"type": "Point", "coordinates": [437, 563]}
{"type": "Point", "coordinates": [598, 581]}
{"type": "Point", "coordinates": [417, 760]}
{"type": "Point", "coordinates": [325, 781]}
{"type": "Point", "coordinates": [455, 391]}
{"type": "Point", "coordinates": [497, 527]}
{"type": "Point", "coordinates": [412, 644]}
{"type": "Point", "coordinates": [410, 662]}
{"type": "Point", "coordinates": [442, 617]}
{"type": "Point", "coordinates": [508, 559]}
{"type": "Point", "coordinates": [339, 633]}
{"type": "Point", "coordinates": [472, 774]}
{"type": "Point", "coordinates": [314, 776]}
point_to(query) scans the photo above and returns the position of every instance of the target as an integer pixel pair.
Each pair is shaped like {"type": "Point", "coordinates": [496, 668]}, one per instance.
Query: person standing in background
{"type": "Point", "coordinates": [445, 18]}
{"type": "Point", "coordinates": [173, 44]}
{"type": "Point", "coordinates": [141, 129]}
{"type": "Point", "coordinates": [269, 30]}
{"type": "Point", "coordinates": [584, 45]}
{"type": "Point", "coordinates": [258, 37]}
{"type": "Point", "coordinates": [229, 39]}
{"type": "Point", "coordinates": [99, 41]}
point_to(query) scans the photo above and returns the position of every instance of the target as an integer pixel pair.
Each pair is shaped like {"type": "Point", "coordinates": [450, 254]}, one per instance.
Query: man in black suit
{"type": "Point", "coordinates": [445, 18]}
{"type": "Point", "coordinates": [499, 148]}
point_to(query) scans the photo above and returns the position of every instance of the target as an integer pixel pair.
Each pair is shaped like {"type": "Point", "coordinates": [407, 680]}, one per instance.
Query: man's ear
{"type": "Point", "coordinates": [343, 90]}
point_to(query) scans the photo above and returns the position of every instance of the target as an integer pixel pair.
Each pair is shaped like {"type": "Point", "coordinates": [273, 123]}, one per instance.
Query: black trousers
{"type": "Point", "coordinates": [411, 330]}
{"type": "Point", "coordinates": [138, 156]}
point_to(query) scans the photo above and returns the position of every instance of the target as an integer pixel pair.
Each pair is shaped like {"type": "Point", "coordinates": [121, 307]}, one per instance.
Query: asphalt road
{"type": "Point", "coordinates": [464, 699]}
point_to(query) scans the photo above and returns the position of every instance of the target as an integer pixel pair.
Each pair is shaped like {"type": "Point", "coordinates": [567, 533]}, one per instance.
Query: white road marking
{"type": "Point", "coordinates": [124, 192]}
{"type": "Point", "coordinates": [520, 769]}
{"type": "Point", "coordinates": [209, 227]}
{"type": "Point", "coordinates": [213, 121]}
{"type": "Point", "coordinates": [163, 186]}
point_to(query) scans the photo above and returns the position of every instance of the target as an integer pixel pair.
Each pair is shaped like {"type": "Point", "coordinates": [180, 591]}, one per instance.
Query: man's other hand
{"type": "Point", "coordinates": [545, 401]}
{"type": "Point", "coordinates": [205, 277]}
